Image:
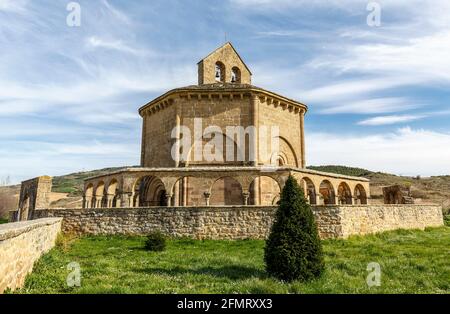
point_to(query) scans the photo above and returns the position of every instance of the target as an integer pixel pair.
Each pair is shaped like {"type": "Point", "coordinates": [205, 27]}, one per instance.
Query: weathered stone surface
{"type": "Point", "coordinates": [21, 244]}
{"type": "Point", "coordinates": [239, 222]}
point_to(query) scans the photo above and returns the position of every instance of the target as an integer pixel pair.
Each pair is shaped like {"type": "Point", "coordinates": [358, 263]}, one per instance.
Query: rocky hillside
{"type": "Point", "coordinates": [428, 190]}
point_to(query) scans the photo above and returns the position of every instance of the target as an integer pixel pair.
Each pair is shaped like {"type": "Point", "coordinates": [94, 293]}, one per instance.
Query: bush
{"type": "Point", "coordinates": [447, 220]}
{"type": "Point", "coordinates": [293, 250]}
{"type": "Point", "coordinates": [156, 241]}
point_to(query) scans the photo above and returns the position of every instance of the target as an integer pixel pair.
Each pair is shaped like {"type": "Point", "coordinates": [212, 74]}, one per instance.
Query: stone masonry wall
{"type": "Point", "coordinates": [238, 222]}
{"type": "Point", "coordinates": [377, 218]}
{"type": "Point", "coordinates": [21, 244]}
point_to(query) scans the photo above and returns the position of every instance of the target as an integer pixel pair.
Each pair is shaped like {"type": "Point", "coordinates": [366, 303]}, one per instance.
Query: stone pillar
{"type": "Point", "coordinates": [336, 200]}
{"type": "Point", "coordinates": [256, 191]}
{"type": "Point", "coordinates": [109, 200]}
{"type": "Point", "coordinates": [246, 195]}
{"type": "Point", "coordinates": [207, 196]}
{"type": "Point", "coordinates": [302, 139]}
{"type": "Point", "coordinates": [318, 199]}
{"type": "Point", "coordinates": [87, 202]}
{"type": "Point", "coordinates": [185, 186]}
{"type": "Point", "coordinates": [255, 123]}
{"type": "Point", "coordinates": [168, 199]}
{"type": "Point", "coordinates": [126, 199]}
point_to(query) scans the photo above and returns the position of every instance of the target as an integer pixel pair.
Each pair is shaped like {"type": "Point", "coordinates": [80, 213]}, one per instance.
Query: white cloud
{"type": "Point", "coordinates": [405, 61]}
{"type": "Point", "coordinates": [118, 45]}
{"type": "Point", "coordinates": [406, 151]}
{"type": "Point", "coordinates": [370, 106]}
{"type": "Point", "coordinates": [16, 6]}
{"type": "Point", "coordinates": [394, 119]}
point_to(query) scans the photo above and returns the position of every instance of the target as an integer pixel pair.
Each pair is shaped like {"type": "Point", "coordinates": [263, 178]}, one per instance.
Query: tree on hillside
{"type": "Point", "coordinates": [293, 249]}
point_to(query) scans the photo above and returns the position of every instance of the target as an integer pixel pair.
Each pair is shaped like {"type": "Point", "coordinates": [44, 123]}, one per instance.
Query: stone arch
{"type": "Point", "coordinates": [113, 193]}
{"type": "Point", "coordinates": [188, 191]}
{"type": "Point", "coordinates": [344, 194]}
{"type": "Point", "coordinates": [310, 190]}
{"type": "Point", "coordinates": [360, 195]}
{"type": "Point", "coordinates": [264, 191]}
{"type": "Point", "coordinates": [25, 208]}
{"type": "Point", "coordinates": [327, 192]}
{"type": "Point", "coordinates": [220, 72]}
{"type": "Point", "coordinates": [89, 196]}
{"type": "Point", "coordinates": [226, 143]}
{"type": "Point", "coordinates": [149, 191]}
{"type": "Point", "coordinates": [226, 191]}
{"type": "Point", "coordinates": [99, 195]}
{"type": "Point", "coordinates": [286, 153]}
{"type": "Point", "coordinates": [235, 75]}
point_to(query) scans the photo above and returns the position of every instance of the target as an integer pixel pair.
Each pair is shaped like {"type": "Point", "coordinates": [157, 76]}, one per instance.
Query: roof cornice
{"type": "Point", "coordinates": [205, 89]}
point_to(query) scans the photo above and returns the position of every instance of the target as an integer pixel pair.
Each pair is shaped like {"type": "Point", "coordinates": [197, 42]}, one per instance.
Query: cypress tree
{"type": "Point", "coordinates": [293, 249]}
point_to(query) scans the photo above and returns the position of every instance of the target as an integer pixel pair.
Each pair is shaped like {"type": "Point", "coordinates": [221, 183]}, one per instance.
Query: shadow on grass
{"type": "Point", "coordinates": [233, 272]}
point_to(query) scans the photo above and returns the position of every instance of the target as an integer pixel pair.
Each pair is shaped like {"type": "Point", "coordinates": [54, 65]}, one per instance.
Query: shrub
{"type": "Point", "coordinates": [293, 249]}
{"type": "Point", "coordinates": [156, 241]}
{"type": "Point", "coordinates": [447, 220]}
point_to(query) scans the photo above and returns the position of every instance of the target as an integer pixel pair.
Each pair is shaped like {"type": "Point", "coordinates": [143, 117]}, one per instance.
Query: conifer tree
{"type": "Point", "coordinates": [293, 249]}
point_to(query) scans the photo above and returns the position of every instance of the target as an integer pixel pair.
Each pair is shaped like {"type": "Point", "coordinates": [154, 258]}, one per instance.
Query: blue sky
{"type": "Point", "coordinates": [378, 97]}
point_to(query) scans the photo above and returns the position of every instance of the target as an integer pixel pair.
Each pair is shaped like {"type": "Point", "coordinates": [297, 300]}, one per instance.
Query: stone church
{"type": "Point", "coordinates": [206, 172]}
{"type": "Point", "coordinates": [223, 97]}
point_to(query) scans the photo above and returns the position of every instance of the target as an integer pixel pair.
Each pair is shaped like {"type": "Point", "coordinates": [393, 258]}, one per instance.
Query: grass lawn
{"type": "Point", "coordinates": [411, 262]}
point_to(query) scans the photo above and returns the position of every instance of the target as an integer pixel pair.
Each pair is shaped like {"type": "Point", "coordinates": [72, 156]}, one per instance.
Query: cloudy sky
{"type": "Point", "coordinates": [378, 97]}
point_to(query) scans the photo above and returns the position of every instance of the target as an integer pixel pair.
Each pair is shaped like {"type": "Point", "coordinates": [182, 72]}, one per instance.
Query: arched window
{"type": "Point", "coordinates": [149, 191]}
{"type": "Point", "coordinates": [226, 191]}
{"type": "Point", "coordinates": [220, 72]}
{"type": "Point", "coordinates": [264, 191]}
{"type": "Point", "coordinates": [360, 195]}
{"type": "Point", "coordinates": [235, 75]}
{"type": "Point", "coordinates": [309, 190]}
{"type": "Point", "coordinates": [327, 191]}
{"type": "Point", "coordinates": [344, 194]}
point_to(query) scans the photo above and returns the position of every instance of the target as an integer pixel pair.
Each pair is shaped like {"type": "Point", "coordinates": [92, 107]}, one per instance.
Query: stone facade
{"type": "Point", "coordinates": [397, 194]}
{"type": "Point", "coordinates": [241, 222]}
{"type": "Point", "coordinates": [232, 67]}
{"type": "Point", "coordinates": [34, 194]}
{"type": "Point", "coordinates": [21, 244]}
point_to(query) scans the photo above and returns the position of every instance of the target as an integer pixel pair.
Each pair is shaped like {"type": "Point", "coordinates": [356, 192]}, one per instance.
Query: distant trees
{"type": "Point", "coordinates": [5, 181]}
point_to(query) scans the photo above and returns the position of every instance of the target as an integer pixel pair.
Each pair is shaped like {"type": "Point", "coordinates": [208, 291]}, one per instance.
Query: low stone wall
{"type": "Point", "coordinates": [199, 222]}
{"type": "Point", "coordinates": [372, 219]}
{"type": "Point", "coordinates": [21, 244]}
{"type": "Point", "coordinates": [239, 222]}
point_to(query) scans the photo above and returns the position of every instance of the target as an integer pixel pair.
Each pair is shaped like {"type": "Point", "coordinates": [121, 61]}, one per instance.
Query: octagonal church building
{"type": "Point", "coordinates": [221, 142]}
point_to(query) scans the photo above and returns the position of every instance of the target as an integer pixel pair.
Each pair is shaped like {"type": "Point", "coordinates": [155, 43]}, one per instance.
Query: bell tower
{"type": "Point", "coordinates": [223, 65]}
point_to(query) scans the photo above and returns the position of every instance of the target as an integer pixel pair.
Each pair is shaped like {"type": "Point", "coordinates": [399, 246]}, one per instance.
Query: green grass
{"type": "Point", "coordinates": [3, 221]}
{"type": "Point", "coordinates": [411, 262]}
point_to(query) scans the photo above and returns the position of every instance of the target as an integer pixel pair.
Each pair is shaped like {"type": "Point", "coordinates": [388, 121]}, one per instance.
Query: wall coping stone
{"type": "Point", "coordinates": [14, 229]}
